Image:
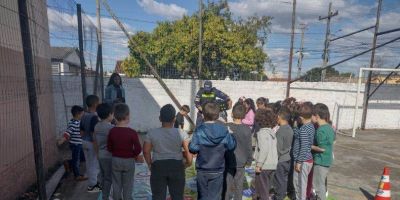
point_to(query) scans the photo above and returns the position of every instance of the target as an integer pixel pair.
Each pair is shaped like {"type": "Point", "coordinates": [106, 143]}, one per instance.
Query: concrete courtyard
{"type": "Point", "coordinates": [359, 163]}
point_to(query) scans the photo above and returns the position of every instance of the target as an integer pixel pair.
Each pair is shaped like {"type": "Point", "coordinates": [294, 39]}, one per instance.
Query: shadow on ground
{"type": "Point", "coordinates": [359, 163]}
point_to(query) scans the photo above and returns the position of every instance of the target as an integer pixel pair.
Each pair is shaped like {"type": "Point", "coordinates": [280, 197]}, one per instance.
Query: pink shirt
{"type": "Point", "coordinates": [249, 119]}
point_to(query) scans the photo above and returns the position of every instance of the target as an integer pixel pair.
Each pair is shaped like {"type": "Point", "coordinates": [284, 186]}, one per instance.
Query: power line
{"type": "Point", "coordinates": [352, 57]}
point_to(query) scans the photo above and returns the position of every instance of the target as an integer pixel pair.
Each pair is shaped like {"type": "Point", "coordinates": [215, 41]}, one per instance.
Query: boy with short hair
{"type": "Point", "coordinates": [210, 142]}
{"type": "Point", "coordinates": [162, 150]}
{"type": "Point", "coordinates": [73, 136]}
{"type": "Point", "coordinates": [302, 157]}
{"type": "Point", "coordinates": [240, 157]}
{"type": "Point", "coordinates": [88, 122]}
{"type": "Point", "coordinates": [284, 138]}
{"type": "Point", "coordinates": [123, 143]}
{"type": "Point", "coordinates": [101, 131]}
{"type": "Point", "coordinates": [323, 156]}
{"type": "Point", "coordinates": [180, 117]}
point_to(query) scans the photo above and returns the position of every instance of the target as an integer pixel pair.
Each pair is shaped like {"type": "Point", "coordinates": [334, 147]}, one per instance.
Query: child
{"type": "Point", "coordinates": [303, 161]}
{"type": "Point", "coordinates": [284, 138]}
{"type": "Point", "coordinates": [88, 122]}
{"type": "Point", "coordinates": [323, 156]}
{"type": "Point", "coordinates": [210, 141]}
{"type": "Point", "coordinates": [180, 117]}
{"type": "Point", "coordinates": [242, 155]}
{"type": "Point", "coordinates": [123, 143]}
{"type": "Point", "coordinates": [266, 155]}
{"type": "Point", "coordinates": [262, 102]}
{"type": "Point", "coordinates": [250, 113]}
{"type": "Point", "coordinates": [73, 135]}
{"type": "Point", "coordinates": [101, 131]}
{"type": "Point", "coordinates": [162, 150]}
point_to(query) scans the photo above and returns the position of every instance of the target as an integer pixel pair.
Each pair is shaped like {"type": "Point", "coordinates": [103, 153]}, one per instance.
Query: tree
{"type": "Point", "coordinates": [131, 67]}
{"type": "Point", "coordinates": [172, 47]}
{"type": "Point", "coordinates": [314, 74]}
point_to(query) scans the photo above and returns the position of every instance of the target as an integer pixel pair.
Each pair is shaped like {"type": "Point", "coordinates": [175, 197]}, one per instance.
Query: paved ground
{"type": "Point", "coordinates": [355, 174]}
{"type": "Point", "coordinates": [359, 163]}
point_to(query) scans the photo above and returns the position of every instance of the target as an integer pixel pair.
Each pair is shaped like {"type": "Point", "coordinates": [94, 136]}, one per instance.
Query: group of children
{"type": "Point", "coordinates": [292, 140]}
{"type": "Point", "coordinates": [290, 146]}
{"type": "Point", "coordinates": [286, 141]}
{"type": "Point", "coordinates": [110, 147]}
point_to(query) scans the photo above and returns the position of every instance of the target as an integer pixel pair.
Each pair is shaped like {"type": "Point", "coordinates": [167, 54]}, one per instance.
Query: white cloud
{"type": "Point", "coordinates": [352, 16]}
{"type": "Point", "coordinates": [306, 11]}
{"type": "Point", "coordinates": [63, 29]}
{"type": "Point", "coordinates": [170, 11]}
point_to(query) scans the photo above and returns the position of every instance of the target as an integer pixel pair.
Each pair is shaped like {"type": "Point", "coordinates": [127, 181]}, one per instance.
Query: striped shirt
{"type": "Point", "coordinates": [73, 132]}
{"type": "Point", "coordinates": [303, 139]}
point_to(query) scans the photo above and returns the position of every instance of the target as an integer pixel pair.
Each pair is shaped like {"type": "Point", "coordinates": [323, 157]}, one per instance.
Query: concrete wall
{"type": "Point", "coordinates": [146, 96]}
{"type": "Point", "coordinates": [17, 168]}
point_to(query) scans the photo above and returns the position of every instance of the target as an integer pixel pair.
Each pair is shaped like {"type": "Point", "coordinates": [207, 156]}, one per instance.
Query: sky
{"type": "Point", "coordinates": [142, 15]}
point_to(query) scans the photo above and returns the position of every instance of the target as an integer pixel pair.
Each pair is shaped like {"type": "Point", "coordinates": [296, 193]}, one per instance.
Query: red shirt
{"type": "Point", "coordinates": [123, 142]}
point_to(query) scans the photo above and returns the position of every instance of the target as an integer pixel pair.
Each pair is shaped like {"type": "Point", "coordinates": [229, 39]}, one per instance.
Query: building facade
{"type": "Point", "coordinates": [17, 167]}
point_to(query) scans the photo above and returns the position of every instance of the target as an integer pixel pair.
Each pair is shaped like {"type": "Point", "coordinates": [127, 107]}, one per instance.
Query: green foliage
{"type": "Point", "coordinates": [314, 74]}
{"type": "Point", "coordinates": [227, 44]}
{"type": "Point", "coordinates": [131, 67]}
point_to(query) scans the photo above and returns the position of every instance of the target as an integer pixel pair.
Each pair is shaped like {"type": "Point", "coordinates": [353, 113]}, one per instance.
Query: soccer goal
{"type": "Point", "coordinates": [380, 77]}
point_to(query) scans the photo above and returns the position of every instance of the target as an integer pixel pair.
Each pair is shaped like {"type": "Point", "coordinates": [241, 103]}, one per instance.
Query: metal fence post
{"type": "Point", "coordinates": [32, 98]}
{"type": "Point", "coordinates": [81, 55]}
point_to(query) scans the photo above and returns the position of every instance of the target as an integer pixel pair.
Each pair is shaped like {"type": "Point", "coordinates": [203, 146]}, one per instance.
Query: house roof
{"type": "Point", "coordinates": [118, 67]}
{"type": "Point", "coordinates": [61, 53]}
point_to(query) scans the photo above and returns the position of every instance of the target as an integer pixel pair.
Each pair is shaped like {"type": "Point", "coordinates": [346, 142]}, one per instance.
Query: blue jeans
{"type": "Point", "coordinates": [209, 185]}
{"type": "Point", "coordinates": [76, 150]}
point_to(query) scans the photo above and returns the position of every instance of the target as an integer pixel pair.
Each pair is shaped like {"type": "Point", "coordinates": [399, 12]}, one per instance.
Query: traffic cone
{"type": "Point", "coordinates": [383, 192]}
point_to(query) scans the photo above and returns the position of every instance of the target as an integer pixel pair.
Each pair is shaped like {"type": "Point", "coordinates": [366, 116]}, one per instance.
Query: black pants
{"type": "Point", "coordinates": [281, 179]}
{"type": "Point", "coordinates": [209, 185]}
{"type": "Point", "coordinates": [263, 184]}
{"type": "Point", "coordinates": [167, 173]}
{"type": "Point", "coordinates": [233, 183]}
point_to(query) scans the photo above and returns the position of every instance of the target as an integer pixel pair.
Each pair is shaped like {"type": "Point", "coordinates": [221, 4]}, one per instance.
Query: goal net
{"type": "Point", "coordinates": [383, 101]}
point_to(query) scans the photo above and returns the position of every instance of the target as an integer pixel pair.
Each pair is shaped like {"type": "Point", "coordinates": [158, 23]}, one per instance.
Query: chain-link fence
{"type": "Point", "coordinates": [25, 86]}
{"type": "Point", "coordinates": [43, 52]}
{"type": "Point", "coordinates": [64, 40]}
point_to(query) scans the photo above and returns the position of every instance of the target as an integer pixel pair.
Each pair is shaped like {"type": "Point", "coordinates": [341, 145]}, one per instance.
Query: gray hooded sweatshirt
{"type": "Point", "coordinates": [266, 154]}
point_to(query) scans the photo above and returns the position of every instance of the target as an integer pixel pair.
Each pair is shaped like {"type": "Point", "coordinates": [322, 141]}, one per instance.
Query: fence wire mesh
{"type": "Point", "coordinates": [16, 146]}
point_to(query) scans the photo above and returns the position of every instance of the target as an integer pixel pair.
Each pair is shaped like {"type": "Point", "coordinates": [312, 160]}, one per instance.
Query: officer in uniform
{"type": "Point", "coordinates": [210, 94]}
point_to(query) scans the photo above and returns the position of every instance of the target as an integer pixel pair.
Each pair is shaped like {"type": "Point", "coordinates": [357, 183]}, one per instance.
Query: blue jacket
{"type": "Point", "coordinates": [111, 94]}
{"type": "Point", "coordinates": [210, 141]}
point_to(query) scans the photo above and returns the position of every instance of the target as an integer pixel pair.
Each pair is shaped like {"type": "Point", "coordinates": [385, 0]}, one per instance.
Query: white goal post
{"type": "Point", "coordinates": [360, 76]}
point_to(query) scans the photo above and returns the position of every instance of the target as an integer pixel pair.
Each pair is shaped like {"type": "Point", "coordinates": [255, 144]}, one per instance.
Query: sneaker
{"type": "Point", "coordinates": [81, 178]}
{"type": "Point", "coordinates": [94, 189]}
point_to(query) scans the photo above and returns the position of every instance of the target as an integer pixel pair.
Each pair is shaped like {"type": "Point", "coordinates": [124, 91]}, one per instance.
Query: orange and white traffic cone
{"type": "Point", "coordinates": [383, 192]}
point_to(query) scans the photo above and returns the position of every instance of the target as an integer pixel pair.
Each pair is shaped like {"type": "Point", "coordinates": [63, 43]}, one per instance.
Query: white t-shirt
{"type": "Point", "coordinates": [167, 143]}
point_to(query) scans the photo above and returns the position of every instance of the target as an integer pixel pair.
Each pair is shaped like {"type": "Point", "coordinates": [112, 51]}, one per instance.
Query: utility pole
{"type": "Point", "coordinates": [371, 65]}
{"type": "Point", "coordinates": [200, 39]}
{"type": "Point", "coordinates": [291, 50]}
{"type": "Point", "coordinates": [303, 28]}
{"type": "Point", "coordinates": [81, 55]}
{"type": "Point", "coordinates": [100, 48]}
{"type": "Point", "coordinates": [327, 34]}
{"type": "Point", "coordinates": [32, 97]}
